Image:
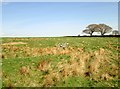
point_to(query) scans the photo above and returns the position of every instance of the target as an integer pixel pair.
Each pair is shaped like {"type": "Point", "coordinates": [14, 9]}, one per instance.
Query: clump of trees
{"type": "Point", "coordinates": [115, 32]}
{"type": "Point", "coordinates": [102, 28]}
{"type": "Point", "coordinates": [91, 28]}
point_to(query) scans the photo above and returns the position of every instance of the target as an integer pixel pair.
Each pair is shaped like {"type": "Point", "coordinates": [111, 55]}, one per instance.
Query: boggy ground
{"type": "Point", "coordinates": [40, 62]}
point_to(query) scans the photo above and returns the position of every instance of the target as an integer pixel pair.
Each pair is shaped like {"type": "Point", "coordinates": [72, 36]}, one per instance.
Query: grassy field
{"type": "Point", "coordinates": [60, 61]}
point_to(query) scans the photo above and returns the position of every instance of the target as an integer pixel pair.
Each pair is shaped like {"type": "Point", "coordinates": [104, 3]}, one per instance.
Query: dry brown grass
{"type": "Point", "coordinates": [82, 63]}
{"type": "Point", "coordinates": [44, 66]}
{"type": "Point", "coordinates": [91, 64]}
{"type": "Point", "coordinates": [24, 70]}
{"type": "Point", "coordinates": [106, 76]}
{"type": "Point", "coordinates": [14, 43]}
{"type": "Point", "coordinates": [49, 79]}
{"type": "Point", "coordinates": [28, 52]}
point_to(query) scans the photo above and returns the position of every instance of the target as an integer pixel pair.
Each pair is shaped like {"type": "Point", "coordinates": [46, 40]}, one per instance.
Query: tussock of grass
{"type": "Point", "coordinates": [82, 63]}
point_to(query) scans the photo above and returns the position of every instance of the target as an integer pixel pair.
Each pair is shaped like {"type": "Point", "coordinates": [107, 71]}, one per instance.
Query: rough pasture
{"type": "Point", "coordinates": [38, 62]}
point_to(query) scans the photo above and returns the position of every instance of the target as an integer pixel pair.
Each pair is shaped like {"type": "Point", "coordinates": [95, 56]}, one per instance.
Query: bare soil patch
{"type": "Point", "coordinates": [14, 43]}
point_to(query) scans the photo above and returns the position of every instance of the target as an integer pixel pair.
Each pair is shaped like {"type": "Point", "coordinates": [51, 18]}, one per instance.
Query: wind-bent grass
{"type": "Point", "coordinates": [84, 62]}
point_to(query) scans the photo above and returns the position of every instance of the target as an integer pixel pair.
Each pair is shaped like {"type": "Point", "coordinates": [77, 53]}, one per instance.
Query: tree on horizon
{"type": "Point", "coordinates": [115, 32]}
{"type": "Point", "coordinates": [102, 28]}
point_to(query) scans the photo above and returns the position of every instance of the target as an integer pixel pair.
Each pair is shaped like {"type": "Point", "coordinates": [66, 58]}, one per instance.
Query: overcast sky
{"type": "Point", "coordinates": [55, 18]}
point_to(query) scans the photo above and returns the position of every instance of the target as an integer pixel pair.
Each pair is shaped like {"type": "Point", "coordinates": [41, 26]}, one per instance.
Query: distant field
{"type": "Point", "coordinates": [60, 61]}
